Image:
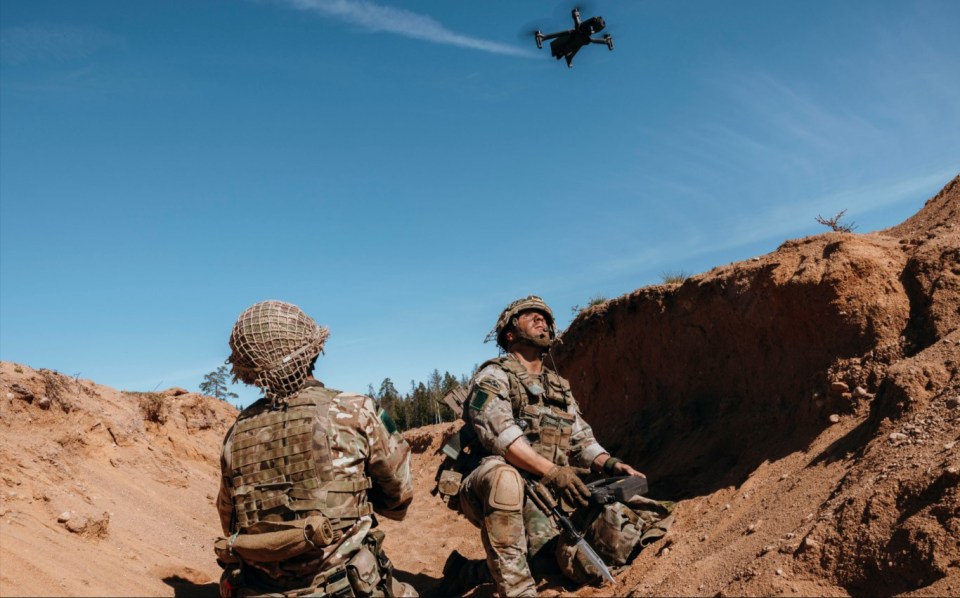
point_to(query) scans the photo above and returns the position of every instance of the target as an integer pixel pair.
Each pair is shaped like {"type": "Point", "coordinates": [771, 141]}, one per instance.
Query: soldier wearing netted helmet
{"type": "Point", "coordinates": [527, 424]}
{"type": "Point", "coordinates": [304, 469]}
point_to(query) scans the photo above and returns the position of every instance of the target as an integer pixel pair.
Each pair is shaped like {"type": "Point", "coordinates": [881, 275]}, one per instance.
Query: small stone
{"type": "Point", "coordinates": [790, 536]}
{"type": "Point", "coordinates": [779, 571]}
{"type": "Point", "coordinates": [751, 528]}
{"type": "Point", "coordinates": [846, 396]}
{"type": "Point", "coordinates": [839, 387]}
{"type": "Point", "coordinates": [9, 396]}
{"type": "Point", "coordinates": [784, 476]}
{"type": "Point", "coordinates": [726, 507]}
{"type": "Point", "coordinates": [953, 402]}
{"type": "Point", "coordinates": [766, 549]}
{"type": "Point", "coordinates": [861, 392]}
{"type": "Point", "coordinates": [953, 470]}
{"type": "Point", "coordinates": [809, 542]}
{"type": "Point", "coordinates": [834, 418]}
{"type": "Point", "coordinates": [950, 445]}
{"type": "Point", "coordinates": [897, 437]}
{"type": "Point", "coordinates": [665, 551]}
{"type": "Point", "coordinates": [43, 403]}
{"type": "Point", "coordinates": [703, 537]}
{"type": "Point", "coordinates": [64, 517]}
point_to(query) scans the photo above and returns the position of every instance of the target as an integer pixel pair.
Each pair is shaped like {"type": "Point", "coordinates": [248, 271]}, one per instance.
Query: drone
{"type": "Point", "coordinates": [566, 44]}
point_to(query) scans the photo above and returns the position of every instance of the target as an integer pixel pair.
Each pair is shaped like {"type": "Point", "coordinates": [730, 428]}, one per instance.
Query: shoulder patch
{"type": "Point", "coordinates": [480, 398]}
{"type": "Point", "coordinates": [387, 421]}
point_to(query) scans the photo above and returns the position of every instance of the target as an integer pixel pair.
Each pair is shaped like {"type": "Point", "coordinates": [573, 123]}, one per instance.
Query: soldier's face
{"type": "Point", "coordinates": [532, 323]}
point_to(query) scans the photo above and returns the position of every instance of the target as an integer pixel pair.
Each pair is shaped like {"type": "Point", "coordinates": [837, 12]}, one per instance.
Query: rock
{"type": "Point", "coordinates": [950, 445]}
{"type": "Point", "coordinates": [953, 402]}
{"type": "Point", "coordinates": [809, 542]}
{"type": "Point", "coordinates": [839, 387]}
{"type": "Point", "coordinates": [779, 571]}
{"type": "Point", "coordinates": [175, 392]}
{"type": "Point", "coordinates": [897, 437]}
{"type": "Point", "coordinates": [834, 418]}
{"type": "Point", "coordinates": [64, 517]}
{"type": "Point", "coordinates": [751, 528]}
{"type": "Point", "coordinates": [43, 403]}
{"type": "Point", "coordinates": [726, 507]}
{"type": "Point", "coordinates": [22, 393]}
{"type": "Point", "coordinates": [766, 549]}
{"type": "Point", "coordinates": [861, 392]}
{"type": "Point", "coordinates": [784, 476]}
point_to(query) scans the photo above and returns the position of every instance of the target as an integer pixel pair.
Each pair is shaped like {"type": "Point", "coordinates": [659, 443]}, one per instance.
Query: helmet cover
{"type": "Point", "coordinates": [273, 345]}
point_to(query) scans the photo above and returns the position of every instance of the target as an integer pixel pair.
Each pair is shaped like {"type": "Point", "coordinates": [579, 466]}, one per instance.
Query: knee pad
{"type": "Point", "coordinates": [506, 491]}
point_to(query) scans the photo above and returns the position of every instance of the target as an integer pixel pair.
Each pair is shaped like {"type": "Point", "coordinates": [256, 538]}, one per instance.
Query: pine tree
{"type": "Point", "coordinates": [215, 385]}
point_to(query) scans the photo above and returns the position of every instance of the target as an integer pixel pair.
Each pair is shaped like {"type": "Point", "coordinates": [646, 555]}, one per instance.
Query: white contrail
{"type": "Point", "coordinates": [376, 17]}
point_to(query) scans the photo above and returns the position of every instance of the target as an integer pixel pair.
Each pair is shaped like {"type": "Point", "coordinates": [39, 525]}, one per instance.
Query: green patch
{"type": "Point", "coordinates": [480, 399]}
{"type": "Point", "coordinates": [388, 422]}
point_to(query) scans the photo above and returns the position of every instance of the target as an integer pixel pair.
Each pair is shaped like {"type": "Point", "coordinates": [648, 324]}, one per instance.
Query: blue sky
{"type": "Point", "coordinates": [403, 170]}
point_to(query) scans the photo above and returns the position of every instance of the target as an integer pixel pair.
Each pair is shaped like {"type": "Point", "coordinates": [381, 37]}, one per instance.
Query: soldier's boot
{"type": "Point", "coordinates": [460, 574]}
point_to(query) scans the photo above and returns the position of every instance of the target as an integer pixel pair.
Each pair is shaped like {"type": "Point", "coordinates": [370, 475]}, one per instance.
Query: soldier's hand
{"type": "Point", "coordinates": [624, 469]}
{"type": "Point", "coordinates": [567, 485]}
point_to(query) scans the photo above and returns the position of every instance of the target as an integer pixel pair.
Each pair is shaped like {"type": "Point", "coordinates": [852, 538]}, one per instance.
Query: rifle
{"type": "Point", "coordinates": [546, 503]}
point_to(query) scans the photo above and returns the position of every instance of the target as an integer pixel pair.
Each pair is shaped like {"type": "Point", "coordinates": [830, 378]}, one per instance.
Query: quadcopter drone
{"type": "Point", "coordinates": [566, 44]}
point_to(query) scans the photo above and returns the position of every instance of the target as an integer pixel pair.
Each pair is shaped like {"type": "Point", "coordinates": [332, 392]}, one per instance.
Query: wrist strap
{"type": "Point", "coordinates": [609, 464]}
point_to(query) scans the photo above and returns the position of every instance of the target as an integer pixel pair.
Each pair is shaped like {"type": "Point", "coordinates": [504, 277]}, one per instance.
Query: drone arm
{"type": "Point", "coordinates": [606, 41]}
{"type": "Point", "coordinates": [544, 38]}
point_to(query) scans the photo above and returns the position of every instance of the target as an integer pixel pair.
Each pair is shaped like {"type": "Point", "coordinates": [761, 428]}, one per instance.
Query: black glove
{"type": "Point", "coordinates": [566, 485]}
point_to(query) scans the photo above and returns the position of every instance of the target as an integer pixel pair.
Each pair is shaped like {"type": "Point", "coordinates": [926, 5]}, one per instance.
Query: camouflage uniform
{"type": "Point", "coordinates": [312, 454]}
{"type": "Point", "coordinates": [492, 496]}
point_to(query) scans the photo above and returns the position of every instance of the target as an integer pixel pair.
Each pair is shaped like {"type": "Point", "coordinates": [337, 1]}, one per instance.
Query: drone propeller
{"type": "Point", "coordinates": [528, 30]}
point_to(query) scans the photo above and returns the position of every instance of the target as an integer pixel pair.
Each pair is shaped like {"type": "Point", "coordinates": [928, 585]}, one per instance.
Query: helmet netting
{"type": "Point", "coordinates": [273, 345]}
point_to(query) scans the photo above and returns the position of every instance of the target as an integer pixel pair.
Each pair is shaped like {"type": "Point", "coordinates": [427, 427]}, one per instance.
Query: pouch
{"type": "Point", "coordinates": [363, 573]}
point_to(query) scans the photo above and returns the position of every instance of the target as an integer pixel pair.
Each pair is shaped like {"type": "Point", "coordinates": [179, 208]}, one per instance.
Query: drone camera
{"type": "Point", "coordinates": [539, 36]}
{"type": "Point", "coordinates": [593, 25]}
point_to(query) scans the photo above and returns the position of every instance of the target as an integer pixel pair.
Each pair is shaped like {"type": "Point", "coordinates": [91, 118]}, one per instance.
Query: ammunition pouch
{"type": "Point", "coordinates": [370, 571]}
{"type": "Point", "coordinates": [462, 457]}
{"type": "Point", "coordinates": [548, 429]}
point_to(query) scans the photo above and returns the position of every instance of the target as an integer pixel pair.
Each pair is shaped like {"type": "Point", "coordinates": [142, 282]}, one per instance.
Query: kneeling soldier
{"type": "Point", "coordinates": [527, 424]}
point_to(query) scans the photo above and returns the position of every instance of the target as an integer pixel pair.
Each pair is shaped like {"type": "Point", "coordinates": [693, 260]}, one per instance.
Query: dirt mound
{"type": "Point", "coordinates": [105, 492]}
{"type": "Point", "coordinates": [804, 403]}
{"type": "Point", "coordinates": [804, 406]}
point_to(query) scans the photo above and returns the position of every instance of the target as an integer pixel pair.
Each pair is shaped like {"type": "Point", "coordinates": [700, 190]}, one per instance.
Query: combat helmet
{"type": "Point", "coordinates": [508, 316]}
{"type": "Point", "coordinates": [273, 346]}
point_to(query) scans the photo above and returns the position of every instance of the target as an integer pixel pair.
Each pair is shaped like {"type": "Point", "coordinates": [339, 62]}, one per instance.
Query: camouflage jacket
{"type": "Point", "coordinates": [349, 449]}
{"type": "Point", "coordinates": [505, 402]}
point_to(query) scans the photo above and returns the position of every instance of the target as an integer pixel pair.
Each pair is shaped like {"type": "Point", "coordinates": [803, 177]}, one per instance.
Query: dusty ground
{"type": "Point", "coordinates": [803, 407]}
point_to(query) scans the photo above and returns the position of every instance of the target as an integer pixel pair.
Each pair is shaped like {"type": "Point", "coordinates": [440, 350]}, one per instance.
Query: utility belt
{"type": "Point", "coordinates": [369, 572]}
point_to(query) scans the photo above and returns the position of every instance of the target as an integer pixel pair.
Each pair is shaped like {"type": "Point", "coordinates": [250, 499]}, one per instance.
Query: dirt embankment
{"type": "Point", "coordinates": [803, 406]}
{"type": "Point", "coordinates": [105, 492]}
{"type": "Point", "coordinates": [803, 403]}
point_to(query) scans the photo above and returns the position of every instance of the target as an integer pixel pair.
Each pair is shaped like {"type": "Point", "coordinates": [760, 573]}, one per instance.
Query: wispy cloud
{"type": "Point", "coordinates": [778, 222]}
{"type": "Point", "coordinates": [58, 43]}
{"type": "Point", "coordinates": [376, 17]}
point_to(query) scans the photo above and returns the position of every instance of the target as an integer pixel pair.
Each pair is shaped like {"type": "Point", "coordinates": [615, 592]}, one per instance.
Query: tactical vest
{"type": "Point", "coordinates": [282, 469]}
{"type": "Point", "coordinates": [540, 407]}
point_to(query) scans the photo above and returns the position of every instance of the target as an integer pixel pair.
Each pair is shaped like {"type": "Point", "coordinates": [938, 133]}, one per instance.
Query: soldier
{"type": "Point", "coordinates": [303, 470]}
{"type": "Point", "coordinates": [527, 423]}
